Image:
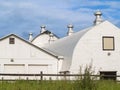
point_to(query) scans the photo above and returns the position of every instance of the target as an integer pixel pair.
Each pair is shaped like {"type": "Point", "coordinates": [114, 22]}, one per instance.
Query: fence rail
{"type": "Point", "coordinates": [41, 75]}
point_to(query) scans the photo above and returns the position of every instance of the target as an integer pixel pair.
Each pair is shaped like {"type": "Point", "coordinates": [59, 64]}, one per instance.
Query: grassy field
{"type": "Point", "coordinates": [85, 82]}
{"type": "Point", "coordinates": [59, 85]}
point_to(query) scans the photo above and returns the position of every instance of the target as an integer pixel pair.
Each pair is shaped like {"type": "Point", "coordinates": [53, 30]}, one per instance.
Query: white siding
{"type": "Point", "coordinates": [89, 50]}
{"type": "Point", "coordinates": [24, 53]}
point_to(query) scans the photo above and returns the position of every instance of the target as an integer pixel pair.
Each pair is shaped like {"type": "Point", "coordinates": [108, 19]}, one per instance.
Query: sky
{"type": "Point", "coordinates": [21, 17]}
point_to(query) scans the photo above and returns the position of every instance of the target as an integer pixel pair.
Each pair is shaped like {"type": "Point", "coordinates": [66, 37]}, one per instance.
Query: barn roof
{"type": "Point", "coordinates": [47, 32]}
{"type": "Point", "coordinates": [65, 46]}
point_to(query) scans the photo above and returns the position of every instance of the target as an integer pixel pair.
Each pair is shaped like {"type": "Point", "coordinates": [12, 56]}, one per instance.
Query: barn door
{"type": "Point", "coordinates": [14, 68]}
{"type": "Point", "coordinates": [37, 68]}
{"type": "Point", "coordinates": [108, 75]}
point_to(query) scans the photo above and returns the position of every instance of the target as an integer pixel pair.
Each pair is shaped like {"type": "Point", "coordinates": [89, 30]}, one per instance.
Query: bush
{"type": "Point", "coordinates": [86, 81]}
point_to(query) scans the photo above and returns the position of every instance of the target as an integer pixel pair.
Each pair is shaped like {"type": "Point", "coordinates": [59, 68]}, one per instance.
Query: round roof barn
{"type": "Point", "coordinates": [98, 45]}
{"type": "Point", "coordinates": [44, 37]}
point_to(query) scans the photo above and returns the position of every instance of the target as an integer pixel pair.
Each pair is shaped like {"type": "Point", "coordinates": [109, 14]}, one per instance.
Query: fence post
{"type": "Point", "coordinates": [65, 76]}
{"type": "Point", "coordinates": [2, 78]}
{"type": "Point", "coordinates": [27, 78]}
{"type": "Point", "coordinates": [41, 75]}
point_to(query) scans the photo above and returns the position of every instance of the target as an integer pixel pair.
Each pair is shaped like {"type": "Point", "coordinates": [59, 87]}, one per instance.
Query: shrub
{"type": "Point", "coordinates": [86, 81]}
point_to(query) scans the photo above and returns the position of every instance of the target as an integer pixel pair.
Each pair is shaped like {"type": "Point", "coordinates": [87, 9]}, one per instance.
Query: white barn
{"type": "Point", "coordinates": [18, 56]}
{"type": "Point", "coordinates": [98, 44]}
{"type": "Point", "coordinates": [45, 37]}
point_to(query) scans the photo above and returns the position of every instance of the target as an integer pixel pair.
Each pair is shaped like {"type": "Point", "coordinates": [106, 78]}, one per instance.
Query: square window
{"type": "Point", "coordinates": [108, 43]}
{"type": "Point", "coordinates": [11, 40]}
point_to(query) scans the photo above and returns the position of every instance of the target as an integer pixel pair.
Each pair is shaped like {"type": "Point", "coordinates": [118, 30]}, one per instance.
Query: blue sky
{"type": "Point", "coordinates": [23, 16]}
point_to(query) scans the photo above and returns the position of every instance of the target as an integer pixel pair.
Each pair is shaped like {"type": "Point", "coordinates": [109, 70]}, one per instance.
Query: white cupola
{"type": "Point", "coordinates": [30, 37]}
{"type": "Point", "coordinates": [51, 39]}
{"type": "Point", "coordinates": [98, 18]}
{"type": "Point", "coordinates": [70, 30]}
{"type": "Point", "coordinates": [43, 29]}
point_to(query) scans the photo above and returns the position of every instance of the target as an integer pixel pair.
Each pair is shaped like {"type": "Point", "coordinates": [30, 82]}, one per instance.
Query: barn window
{"type": "Point", "coordinates": [108, 43]}
{"type": "Point", "coordinates": [11, 40]}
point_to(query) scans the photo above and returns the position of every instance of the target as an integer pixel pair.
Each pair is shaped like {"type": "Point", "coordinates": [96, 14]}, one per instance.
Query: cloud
{"type": "Point", "coordinates": [25, 16]}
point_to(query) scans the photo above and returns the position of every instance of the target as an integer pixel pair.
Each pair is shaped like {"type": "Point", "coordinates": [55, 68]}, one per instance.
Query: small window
{"type": "Point", "coordinates": [108, 43]}
{"type": "Point", "coordinates": [11, 40]}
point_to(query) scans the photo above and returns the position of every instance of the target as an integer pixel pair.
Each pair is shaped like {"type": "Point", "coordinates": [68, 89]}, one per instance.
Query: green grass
{"type": "Point", "coordinates": [85, 82]}
{"type": "Point", "coordinates": [57, 85]}
{"type": "Point", "coordinates": [36, 85]}
{"type": "Point", "coordinates": [108, 85]}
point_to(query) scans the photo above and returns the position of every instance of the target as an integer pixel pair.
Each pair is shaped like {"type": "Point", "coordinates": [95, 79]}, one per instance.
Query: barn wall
{"type": "Point", "coordinates": [89, 50]}
{"type": "Point", "coordinates": [42, 40]}
{"type": "Point", "coordinates": [22, 53]}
